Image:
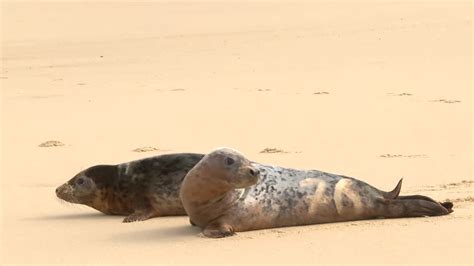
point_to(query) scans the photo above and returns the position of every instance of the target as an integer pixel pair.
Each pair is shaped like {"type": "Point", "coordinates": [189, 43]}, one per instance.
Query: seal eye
{"type": "Point", "coordinates": [80, 181]}
{"type": "Point", "coordinates": [229, 161]}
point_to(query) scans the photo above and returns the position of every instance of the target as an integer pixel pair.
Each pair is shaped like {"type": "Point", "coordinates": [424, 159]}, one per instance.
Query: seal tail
{"type": "Point", "coordinates": [395, 192]}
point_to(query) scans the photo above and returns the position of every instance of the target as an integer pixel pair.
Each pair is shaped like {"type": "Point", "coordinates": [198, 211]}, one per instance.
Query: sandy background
{"type": "Point", "coordinates": [377, 91]}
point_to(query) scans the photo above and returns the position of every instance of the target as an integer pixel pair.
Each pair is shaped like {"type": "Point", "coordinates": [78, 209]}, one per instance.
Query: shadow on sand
{"type": "Point", "coordinates": [159, 234]}
{"type": "Point", "coordinates": [156, 230]}
{"type": "Point", "coordinates": [75, 216]}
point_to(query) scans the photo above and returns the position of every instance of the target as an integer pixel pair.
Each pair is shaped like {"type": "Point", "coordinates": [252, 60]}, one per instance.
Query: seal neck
{"type": "Point", "coordinates": [205, 198]}
{"type": "Point", "coordinates": [113, 189]}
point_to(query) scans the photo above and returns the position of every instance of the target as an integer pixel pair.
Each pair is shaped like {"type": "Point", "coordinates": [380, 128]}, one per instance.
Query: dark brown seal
{"type": "Point", "coordinates": [140, 189]}
{"type": "Point", "coordinates": [223, 194]}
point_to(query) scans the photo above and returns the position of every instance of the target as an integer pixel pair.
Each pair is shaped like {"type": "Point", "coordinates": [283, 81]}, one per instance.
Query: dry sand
{"type": "Point", "coordinates": [375, 90]}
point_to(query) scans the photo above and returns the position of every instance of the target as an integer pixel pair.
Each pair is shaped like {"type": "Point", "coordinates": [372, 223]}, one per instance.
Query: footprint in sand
{"type": "Point", "coordinates": [275, 150]}
{"type": "Point", "coordinates": [400, 94]}
{"type": "Point", "coordinates": [465, 199]}
{"type": "Point", "coordinates": [147, 149]}
{"type": "Point", "coordinates": [388, 155]}
{"type": "Point", "coordinates": [46, 96]}
{"type": "Point", "coordinates": [51, 143]}
{"type": "Point", "coordinates": [463, 187]}
{"type": "Point", "coordinates": [272, 150]}
{"type": "Point", "coordinates": [466, 183]}
{"type": "Point", "coordinates": [459, 191]}
{"type": "Point", "coordinates": [445, 101]}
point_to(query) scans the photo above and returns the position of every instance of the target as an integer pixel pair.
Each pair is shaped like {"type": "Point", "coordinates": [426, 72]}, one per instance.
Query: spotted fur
{"type": "Point", "coordinates": [140, 189]}
{"type": "Point", "coordinates": [287, 197]}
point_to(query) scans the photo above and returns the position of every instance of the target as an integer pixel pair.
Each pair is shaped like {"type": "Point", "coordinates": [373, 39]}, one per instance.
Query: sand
{"type": "Point", "coordinates": [375, 90]}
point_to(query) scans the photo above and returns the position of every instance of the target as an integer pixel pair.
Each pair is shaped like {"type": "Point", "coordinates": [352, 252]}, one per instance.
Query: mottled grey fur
{"type": "Point", "coordinates": [286, 197]}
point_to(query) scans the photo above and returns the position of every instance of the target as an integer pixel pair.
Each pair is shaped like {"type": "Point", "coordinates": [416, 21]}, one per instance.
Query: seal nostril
{"type": "Point", "coordinates": [254, 172]}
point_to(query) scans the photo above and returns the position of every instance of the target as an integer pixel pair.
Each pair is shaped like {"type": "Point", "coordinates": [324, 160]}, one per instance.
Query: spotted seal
{"type": "Point", "coordinates": [226, 193]}
{"type": "Point", "coordinates": [140, 189]}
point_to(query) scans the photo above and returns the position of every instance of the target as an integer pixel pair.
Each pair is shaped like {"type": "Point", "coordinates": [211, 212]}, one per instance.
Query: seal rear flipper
{"type": "Point", "coordinates": [413, 206]}
{"type": "Point", "coordinates": [447, 204]}
{"type": "Point", "coordinates": [141, 215]}
{"type": "Point", "coordinates": [395, 192]}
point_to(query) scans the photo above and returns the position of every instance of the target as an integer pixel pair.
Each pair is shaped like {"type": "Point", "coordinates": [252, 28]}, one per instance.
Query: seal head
{"type": "Point", "coordinates": [89, 186]}
{"type": "Point", "coordinates": [213, 186]}
{"type": "Point", "coordinates": [229, 167]}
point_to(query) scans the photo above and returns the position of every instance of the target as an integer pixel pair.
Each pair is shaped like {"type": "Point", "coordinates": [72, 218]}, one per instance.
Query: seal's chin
{"type": "Point", "coordinates": [64, 192]}
{"type": "Point", "coordinates": [247, 182]}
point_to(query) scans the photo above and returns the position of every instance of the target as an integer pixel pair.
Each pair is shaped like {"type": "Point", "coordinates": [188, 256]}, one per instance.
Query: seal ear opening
{"type": "Point", "coordinates": [395, 192]}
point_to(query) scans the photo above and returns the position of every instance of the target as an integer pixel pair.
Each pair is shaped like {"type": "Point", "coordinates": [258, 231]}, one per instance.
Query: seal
{"type": "Point", "coordinates": [139, 189]}
{"type": "Point", "coordinates": [226, 193]}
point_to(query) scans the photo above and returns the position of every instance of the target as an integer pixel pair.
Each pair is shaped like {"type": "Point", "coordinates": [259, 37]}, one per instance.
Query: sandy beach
{"type": "Point", "coordinates": [377, 90]}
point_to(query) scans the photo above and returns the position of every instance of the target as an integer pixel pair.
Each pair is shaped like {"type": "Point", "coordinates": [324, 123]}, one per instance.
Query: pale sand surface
{"type": "Point", "coordinates": [107, 78]}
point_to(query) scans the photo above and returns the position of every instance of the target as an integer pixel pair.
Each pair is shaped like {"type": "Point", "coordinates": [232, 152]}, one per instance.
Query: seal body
{"type": "Point", "coordinates": [286, 197]}
{"type": "Point", "coordinates": [139, 189]}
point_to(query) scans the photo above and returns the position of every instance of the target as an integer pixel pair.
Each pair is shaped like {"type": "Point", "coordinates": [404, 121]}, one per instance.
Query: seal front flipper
{"type": "Point", "coordinates": [141, 215]}
{"type": "Point", "coordinates": [218, 230]}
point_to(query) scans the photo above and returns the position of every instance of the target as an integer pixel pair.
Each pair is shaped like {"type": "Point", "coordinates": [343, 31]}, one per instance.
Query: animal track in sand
{"type": "Point", "coordinates": [455, 185]}
{"type": "Point", "coordinates": [272, 150]}
{"type": "Point", "coordinates": [460, 186]}
{"type": "Point", "coordinates": [147, 149]}
{"type": "Point", "coordinates": [458, 192]}
{"type": "Point", "coordinates": [465, 199]}
{"type": "Point", "coordinates": [400, 94]}
{"type": "Point", "coordinates": [462, 183]}
{"type": "Point", "coordinates": [445, 101]}
{"type": "Point", "coordinates": [51, 143]}
{"type": "Point", "coordinates": [46, 96]}
{"type": "Point", "coordinates": [388, 155]}
{"type": "Point", "coordinates": [275, 150]}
